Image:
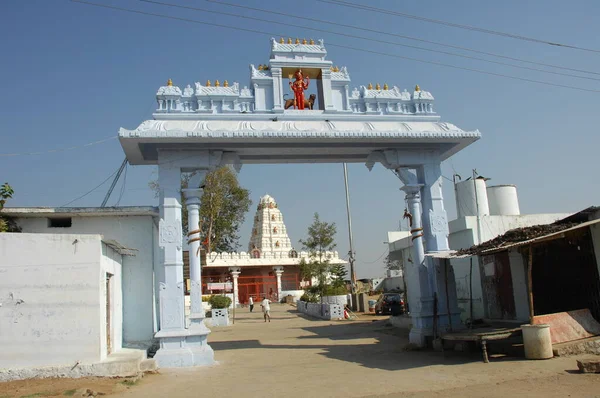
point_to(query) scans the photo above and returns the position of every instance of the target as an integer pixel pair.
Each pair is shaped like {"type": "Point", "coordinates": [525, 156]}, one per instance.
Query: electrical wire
{"type": "Point", "coordinates": [366, 38]}
{"type": "Point", "coordinates": [61, 149]}
{"type": "Point", "coordinates": [380, 257]}
{"type": "Point", "coordinates": [455, 25]}
{"type": "Point", "coordinates": [93, 189]}
{"type": "Point", "coordinates": [337, 45]}
{"type": "Point", "coordinates": [379, 32]}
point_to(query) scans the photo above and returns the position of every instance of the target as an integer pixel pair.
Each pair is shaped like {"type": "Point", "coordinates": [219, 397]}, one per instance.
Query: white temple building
{"type": "Point", "coordinates": [270, 268]}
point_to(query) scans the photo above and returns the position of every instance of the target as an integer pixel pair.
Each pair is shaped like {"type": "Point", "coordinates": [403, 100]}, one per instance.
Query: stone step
{"type": "Point", "coordinates": [589, 365]}
{"type": "Point", "coordinates": [148, 365]}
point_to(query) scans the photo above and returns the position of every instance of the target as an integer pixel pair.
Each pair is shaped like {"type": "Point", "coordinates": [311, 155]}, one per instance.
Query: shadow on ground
{"type": "Point", "coordinates": [388, 352]}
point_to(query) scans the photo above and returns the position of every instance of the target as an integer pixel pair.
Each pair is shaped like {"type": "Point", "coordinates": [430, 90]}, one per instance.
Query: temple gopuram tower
{"type": "Point", "coordinates": [268, 232]}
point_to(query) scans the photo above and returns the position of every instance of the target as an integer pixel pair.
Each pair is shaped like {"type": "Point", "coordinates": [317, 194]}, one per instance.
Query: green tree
{"type": "Point", "coordinates": [224, 204]}
{"type": "Point", "coordinates": [6, 224]}
{"type": "Point", "coordinates": [338, 275]}
{"type": "Point", "coordinates": [320, 239]}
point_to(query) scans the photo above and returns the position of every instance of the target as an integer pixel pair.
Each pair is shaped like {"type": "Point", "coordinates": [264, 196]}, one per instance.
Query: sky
{"type": "Point", "coordinates": [74, 74]}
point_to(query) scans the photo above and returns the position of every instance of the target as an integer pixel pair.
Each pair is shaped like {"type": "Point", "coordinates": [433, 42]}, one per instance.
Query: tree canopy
{"type": "Point", "coordinates": [321, 239]}
{"type": "Point", "coordinates": [223, 207]}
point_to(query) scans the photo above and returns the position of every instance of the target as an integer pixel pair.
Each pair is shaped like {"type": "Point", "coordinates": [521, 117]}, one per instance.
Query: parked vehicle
{"type": "Point", "coordinates": [390, 303]}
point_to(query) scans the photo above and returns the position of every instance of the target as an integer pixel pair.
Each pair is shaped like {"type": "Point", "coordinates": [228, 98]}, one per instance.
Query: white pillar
{"type": "Point", "coordinates": [179, 346]}
{"type": "Point", "coordinates": [192, 197]}
{"type": "Point", "coordinates": [278, 272]}
{"type": "Point", "coordinates": [420, 296]}
{"type": "Point", "coordinates": [235, 273]}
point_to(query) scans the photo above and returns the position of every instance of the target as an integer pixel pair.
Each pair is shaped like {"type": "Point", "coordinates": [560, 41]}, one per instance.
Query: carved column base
{"type": "Point", "coordinates": [184, 348]}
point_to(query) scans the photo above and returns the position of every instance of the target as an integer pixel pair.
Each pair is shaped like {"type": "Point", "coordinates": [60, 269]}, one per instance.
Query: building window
{"type": "Point", "coordinates": [62, 222]}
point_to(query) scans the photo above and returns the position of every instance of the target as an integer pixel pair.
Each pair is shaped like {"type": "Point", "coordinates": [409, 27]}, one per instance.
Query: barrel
{"type": "Point", "coordinates": [372, 305]}
{"type": "Point", "coordinates": [537, 341]}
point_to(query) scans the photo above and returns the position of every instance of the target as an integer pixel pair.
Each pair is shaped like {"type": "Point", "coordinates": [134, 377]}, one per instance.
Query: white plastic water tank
{"type": "Point", "coordinates": [503, 200]}
{"type": "Point", "coordinates": [466, 203]}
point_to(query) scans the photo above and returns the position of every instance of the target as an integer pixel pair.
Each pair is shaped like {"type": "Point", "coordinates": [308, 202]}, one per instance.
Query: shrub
{"type": "Point", "coordinates": [206, 298]}
{"type": "Point", "coordinates": [335, 290]}
{"type": "Point", "coordinates": [218, 302]}
{"type": "Point", "coordinates": [309, 297]}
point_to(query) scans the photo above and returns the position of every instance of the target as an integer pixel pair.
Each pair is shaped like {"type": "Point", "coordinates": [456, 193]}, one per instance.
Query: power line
{"type": "Point", "coordinates": [379, 258]}
{"type": "Point", "coordinates": [61, 149]}
{"type": "Point", "coordinates": [334, 45]}
{"type": "Point", "coordinates": [361, 37]}
{"type": "Point", "coordinates": [93, 189]}
{"type": "Point", "coordinates": [403, 37]}
{"type": "Point", "coordinates": [455, 25]}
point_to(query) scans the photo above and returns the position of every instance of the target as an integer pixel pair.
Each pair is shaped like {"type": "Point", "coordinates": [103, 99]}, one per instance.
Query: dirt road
{"type": "Point", "coordinates": [298, 357]}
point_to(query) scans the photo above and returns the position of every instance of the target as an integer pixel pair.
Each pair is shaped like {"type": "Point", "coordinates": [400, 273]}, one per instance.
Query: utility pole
{"type": "Point", "coordinates": [112, 186]}
{"type": "Point", "coordinates": [351, 252]}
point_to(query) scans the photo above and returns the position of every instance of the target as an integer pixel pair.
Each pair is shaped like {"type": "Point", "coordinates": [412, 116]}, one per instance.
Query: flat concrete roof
{"type": "Point", "coordinates": [80, 211]}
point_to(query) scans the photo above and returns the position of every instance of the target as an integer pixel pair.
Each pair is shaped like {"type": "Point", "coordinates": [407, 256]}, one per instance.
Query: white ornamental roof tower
{"type": "Point", "coordinates": [268, 233]}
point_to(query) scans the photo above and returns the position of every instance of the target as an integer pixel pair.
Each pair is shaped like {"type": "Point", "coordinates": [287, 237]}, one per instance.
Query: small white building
{"type": "Point", "coordinates": [483, 214]}
{"type": "Point", "coordinates": [133, 228]}
{"type": "Point", "coordinates": [61, 301]}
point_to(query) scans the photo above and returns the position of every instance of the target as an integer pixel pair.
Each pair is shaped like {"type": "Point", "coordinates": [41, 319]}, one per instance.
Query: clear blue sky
{"type": "Point", "coordinates": [74, 74]}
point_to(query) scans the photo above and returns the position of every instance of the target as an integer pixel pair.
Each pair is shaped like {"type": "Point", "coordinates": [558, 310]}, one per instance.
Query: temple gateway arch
{"type": "Point", "coordinates": [201, 127]}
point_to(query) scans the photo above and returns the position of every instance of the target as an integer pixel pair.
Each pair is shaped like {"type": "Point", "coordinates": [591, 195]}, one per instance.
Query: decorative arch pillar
{"type": "Point", "coordinates": [182, 346]}
{"type": "Point", "coordinates": [235, 274]}
{"type": "Point", "coordinates": [420, 173]}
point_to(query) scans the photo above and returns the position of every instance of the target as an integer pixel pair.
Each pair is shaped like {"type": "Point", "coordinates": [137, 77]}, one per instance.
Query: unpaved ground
{"type": "Point", "coordinates": [300, 357]}
{"type": "Point", "coordinates": [60, 387]}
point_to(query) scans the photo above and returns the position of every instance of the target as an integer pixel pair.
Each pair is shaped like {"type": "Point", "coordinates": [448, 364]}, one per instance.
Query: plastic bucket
{"type": "Point", "coordinates": [537, 341]}
{"type": "Point", "coordinates": [372, 305]}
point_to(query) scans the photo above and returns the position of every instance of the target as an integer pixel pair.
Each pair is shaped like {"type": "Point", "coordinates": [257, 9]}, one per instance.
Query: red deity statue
{"type": "Point", "coordinates": [298, 86]}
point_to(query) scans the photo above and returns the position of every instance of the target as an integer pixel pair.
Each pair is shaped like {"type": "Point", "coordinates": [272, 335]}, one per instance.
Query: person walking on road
{"type": "Point", "coordinates": [251, 303]}
{"type": "Point", "coordinates": [266, 307]}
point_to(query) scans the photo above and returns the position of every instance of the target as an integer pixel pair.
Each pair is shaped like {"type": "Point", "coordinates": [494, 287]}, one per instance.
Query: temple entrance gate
{"type": "Point", "coordinates": [201, 128]}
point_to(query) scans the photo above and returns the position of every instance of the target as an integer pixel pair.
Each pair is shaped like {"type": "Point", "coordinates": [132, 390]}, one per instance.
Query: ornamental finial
{"type": "Point", "coordinates": [289, 40]}
{"type": "Point", "coordinates": [225, 83]}
{"type": "Point", "coordinates": [208, 83]}
{"type": "Point", "coordinates": [370, 87]}
{"type": "Point", "coordinates": [304, 41]}
{"type": "Point", "coordinates": [297, 41]}
{"type": "Point", "coordinates": [312, 41]}
{"type": "Point", "coordinates": [217, 84]}
{"type": "Point", "coordinates": [417, 88]}
{"type": "Point", "coordinates": [377, 87]}
{"type": "Point", "coordinates": [282, 41]}
{"type": "Point", "coordinates": [385, 86]}
{"type": "Point", "coordinates": [169, 82]}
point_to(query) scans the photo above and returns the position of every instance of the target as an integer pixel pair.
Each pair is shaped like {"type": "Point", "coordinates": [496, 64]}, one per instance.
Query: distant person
{"type": "Point", "coordinates": [251, 303]}
{"type": "Point", "coordinates": [266, 307]}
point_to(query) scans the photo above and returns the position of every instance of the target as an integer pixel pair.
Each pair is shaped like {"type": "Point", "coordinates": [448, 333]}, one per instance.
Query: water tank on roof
{"type": "Point", "coordinates": [466, 200]}
{"type": "Point", "coordinates": [503, 200]}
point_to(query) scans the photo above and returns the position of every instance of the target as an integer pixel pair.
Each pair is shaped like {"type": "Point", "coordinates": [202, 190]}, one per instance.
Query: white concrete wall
{"type": "Point", "coordinates": [138, 284]}
{"type": "Point", "coordinates": [462, 268]}
{"type": "Point", "coordinates": [393, 283]}
{"type": "Point", "coordinates": [518, 273]}
{"type": "Point", "coordinates": [51, 295]}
